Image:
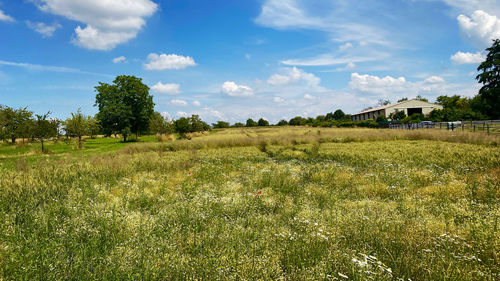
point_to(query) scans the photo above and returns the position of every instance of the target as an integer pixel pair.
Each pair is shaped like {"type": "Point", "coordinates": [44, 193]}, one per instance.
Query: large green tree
{"type": "Point", "coordinates": [490, 78]}
{"type": "Point", "coordinates": [125, 106]}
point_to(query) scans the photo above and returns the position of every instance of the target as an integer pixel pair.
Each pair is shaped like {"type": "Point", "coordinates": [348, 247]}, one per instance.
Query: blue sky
{"type": "Point", "coordinates": [235, 59]}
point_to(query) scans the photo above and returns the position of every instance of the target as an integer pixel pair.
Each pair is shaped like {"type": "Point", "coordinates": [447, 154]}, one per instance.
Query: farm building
{"type": "Point", "coordinates": [409, 107]}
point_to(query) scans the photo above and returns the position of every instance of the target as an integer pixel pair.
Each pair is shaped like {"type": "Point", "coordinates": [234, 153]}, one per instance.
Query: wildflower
{"type": "Point", "coordinates": [189, 173]}
{"type": "Point", "coordinates": [260, 192]}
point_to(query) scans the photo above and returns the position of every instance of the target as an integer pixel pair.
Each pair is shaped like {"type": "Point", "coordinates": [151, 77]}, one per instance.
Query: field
{"type": "Point", "coordinates": [255, 204]}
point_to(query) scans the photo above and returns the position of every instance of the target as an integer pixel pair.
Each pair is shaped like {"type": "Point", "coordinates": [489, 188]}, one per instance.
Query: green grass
{"type": "Point", "coordinates": [288, 204]}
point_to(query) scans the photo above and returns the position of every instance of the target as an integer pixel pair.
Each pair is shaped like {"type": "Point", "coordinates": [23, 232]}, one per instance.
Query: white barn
{"type": "Point", "coordinates": [409, 107]}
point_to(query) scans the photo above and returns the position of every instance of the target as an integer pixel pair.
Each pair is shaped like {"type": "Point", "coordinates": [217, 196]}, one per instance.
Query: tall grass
{"type": "Point", "coordinates": [271, 206]}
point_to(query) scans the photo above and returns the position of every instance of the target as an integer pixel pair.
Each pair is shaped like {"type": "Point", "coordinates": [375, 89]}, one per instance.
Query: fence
{"type": "Point", "coordinates": [487, 126]}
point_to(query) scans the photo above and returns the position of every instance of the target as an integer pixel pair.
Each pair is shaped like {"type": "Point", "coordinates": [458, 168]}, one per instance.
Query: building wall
{"type": "Point", "coordinates": [425, 106]}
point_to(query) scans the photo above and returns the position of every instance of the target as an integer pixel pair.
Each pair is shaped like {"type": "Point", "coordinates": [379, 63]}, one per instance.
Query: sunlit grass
{"type": "Point", "coordinates": [291, 203]}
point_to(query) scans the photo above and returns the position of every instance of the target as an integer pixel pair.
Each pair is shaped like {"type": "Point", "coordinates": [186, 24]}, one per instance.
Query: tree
{"type": "Point", "coordinates": [398, 115]}
{"type": "Point", "coordinates": [490, 78]}
{"type": "Point", "coordinates": [297, 121]}
{"type": "Point", "coordinates": [419, 97]}
{"type": "Point", "coordinates": [262, 122]}
{"type": "Point", "coordinates": [14, 121]}
{"type": "Point", "coordinates": [160, 125]}
{"type": "Point", "coordinates": [93, 124]}
{"type": "Point", "coordinates": [183, 126]}
{"type": "Point", "coordinates": [78, 125]}
{"type": "Point", "coordinates": [282, 122]}
{"type": "Point", "coordinates": [338, 115]}
{"type": "Point", "coordinates": [238, 125]}
{"type": "Point", "coordinates": [402, 99]}
{"type": "Point", "coordinates": [125, 107]}
{"type": "Point", "coordinates": [382, 102]}
{"type": "Point", "coordinates": [45, 128]}
{"type": "Point", "coordinates": [251, 123]}
{"type": "Point", "coordinates": [220, 125]}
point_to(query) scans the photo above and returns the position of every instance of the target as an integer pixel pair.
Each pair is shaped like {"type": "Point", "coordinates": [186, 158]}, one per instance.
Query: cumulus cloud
{"type": "Point", "coordinates": [167, 89]}
{"type": "Point", "coordinates": [196, 103]}
{"type": "Point", "coordinates": [4, 17]}
{"type": "Point", "coordinates": [467, 58]}
{"type": "Point", "coordinates": [232, 89]}
{"type": "Point", "coordinates": [375, 84]}
{"type": "Point", "coordinates": [119, 59]}
{"type": "Point", "coordinates": [434, 80]}
{"type": "Point", "coordinates": [44, 29]}
{"type": "Point", "coordinates": [293, 75]}
{"type": "Point", "coordinates": [178, 102]}
{"type": "Point", "coordinates": [107, 23]}
{"type": "Point", "coordinates": [348, 66]}
{"type": "Point", "coordinates": [182, 114]}
{"type": "Point", "coordinates": [345, 46]}
{"type": "Point", "coordinates": [309, 97]}
{"type": "Point", "coordinates": [278, 99]}
{"type": "Point", "coordinates": [480, 28]}
{"type": "Point", "coordinates": [172, 61]}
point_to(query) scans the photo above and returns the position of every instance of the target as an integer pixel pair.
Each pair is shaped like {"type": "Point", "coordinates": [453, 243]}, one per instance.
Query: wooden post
{"type": "Point", "coordinates": [474, 127]}
{"type": "Point", "coordinates": [488, 128]}
{"type": "Point", "coordinates": [463, 124]}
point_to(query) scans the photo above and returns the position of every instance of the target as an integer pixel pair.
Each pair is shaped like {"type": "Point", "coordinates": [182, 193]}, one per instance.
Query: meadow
{"type": "Point", "coordinates": [255, 204]}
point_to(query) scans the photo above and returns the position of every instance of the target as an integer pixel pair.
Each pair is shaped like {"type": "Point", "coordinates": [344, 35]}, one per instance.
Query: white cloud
{"type": "Point", "coordinates": [107, 23]}
{"type": "Point", "coordinates": [345, 46]}
{"type": "Point", "coordinates": [235, 90]}
{"type": "Point", "coordinates": [309, 97]}
{"type": "Point", "coordinates": [480, 28]}
{"type": "Point", "coordinates": [348, 66]}
{"type": "Point", "coordinates": [42, 28]}
{"type": "Point", "coordinates": [119, 59]}
{"type": "Point", "coordinates": [4, 17]}
{"type": "Point", "coordinates": [278, 100]}
{"type": "Point", "coordinates": [196, 103]}
{"type": "Point", "coordinates": [172, 61]}
{"type": "Point", "coordinates": [293, 75]}
{"type": "Point", "coordinates": [375, 84]}
{"type": "Point", "coordinates": [52, 68]}
{"type": "Point", "coordinates": [165, 115]}
{"type": "Point", "coordinates": [168, 89]}
{"type": "Point", "coordinates": [434, 80]}
{"type": "Point", "coordinates": [329, 59]}
{"type": "Point", "coordinates": [467, 58]}
{"type": "Point", "coordinates": [178, 102]}
{"type": "Point", "coordinates": [182, 114]}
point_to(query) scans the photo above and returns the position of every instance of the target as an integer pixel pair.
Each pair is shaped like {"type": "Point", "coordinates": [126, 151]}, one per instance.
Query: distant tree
{"type": "Point", "coordinates": [238, 125]}
{"type": "Point", "coordinates": [282, 122]}
{"type": "Point", "coordinates": [419, 97]}
{"type": "Point", "coordinates": [220, 125]}
{"type": "Point", "coordinates": [183, 125]}
{"type": "Point", "coordinates": [93, 124]}
{"type": "Point", "coordinates": [78, 125]}
{"type": "Point", "coordinates": [125, 106]}
{"type": "Point", "coordinates": [14, 122]}
{"type": "Point", "coordinates": [160, 125]}
{"type": "Point", "coordinates": [297, 121]}
{"type": "Point", "coordinates": [338, 115]}
{"type": "Point", "coordinates": [197, 125]}
{"type": "Point", "coordinates": [251, 123]}
{"type": "Point", "coordinates": [490, 78]}
{"type": "Point", "coordinates": [262, 122]}
{"type": "Point", "coordinates": [398, 115]}
{"type": "Point", "coordinates": [329, 116]}
{"type": "Point", "coordinates": [402, 99]}
{"type": "Point", "coordinates": [381, 119]}
{"type": "Point", "coordinates": [382, 102]}
{"type": "Point", "coordinates": [45, 128]}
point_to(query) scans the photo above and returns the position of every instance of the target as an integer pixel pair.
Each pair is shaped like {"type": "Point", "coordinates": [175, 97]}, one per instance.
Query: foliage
{"type": "Point", "coordinates": [282, 122]}
{"type": "Point", "coordinates": [160, 125]}
{"type": "Point", "coordinates": [191, 124]}
{"type": "Point", "coordinates": [262, 122]}
{"type": "Point", "coordinates": [297, 121]}
{"type": "Point", "coordinates": [220, 125]}
{"type": "Point", "coordinates": [398, 115]}
{"type": "Point", "coordinates": [125, 106]}
{"type": "Point", "coordinates": [238, 125]}
{"type": "Point", "coordinates": [489, 94]}
{"type": "Point", "coordinates": [14, 123]}
{"type": "Point", "coordinates": [45, 128]}
{"type": "Point", "coordinates": [78, 125]}
{"type": "Point", "coordinates": [250, 123]}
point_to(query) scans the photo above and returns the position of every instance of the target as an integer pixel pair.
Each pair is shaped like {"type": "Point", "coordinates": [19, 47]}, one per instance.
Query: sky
{"type": "Point", "coordinates": [237, 59]}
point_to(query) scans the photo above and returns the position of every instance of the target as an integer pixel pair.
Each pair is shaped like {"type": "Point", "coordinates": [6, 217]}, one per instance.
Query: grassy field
{"type": "Point", "coordinates": [255, 204]}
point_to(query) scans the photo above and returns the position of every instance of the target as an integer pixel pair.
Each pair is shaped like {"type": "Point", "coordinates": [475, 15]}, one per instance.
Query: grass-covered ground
{"type": "Point", "coordinates": [240, 204]}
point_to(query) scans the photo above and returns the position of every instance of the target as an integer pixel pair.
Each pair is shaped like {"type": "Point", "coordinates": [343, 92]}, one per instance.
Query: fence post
{"type": "Point", "coordinates": [488, 128]}
{"type": "Point", "coordinates": [440, 125]}
{"type": "Point", "coordinates": [474, 127]}
{"type": "Point", "coordinates": [463, 126]}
